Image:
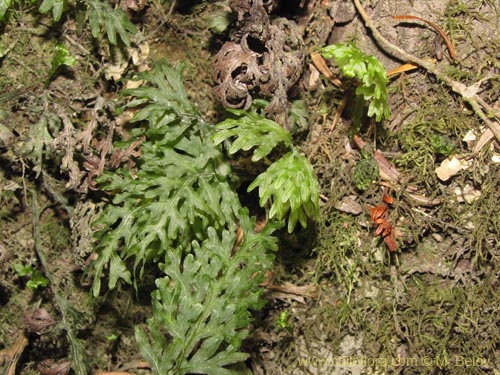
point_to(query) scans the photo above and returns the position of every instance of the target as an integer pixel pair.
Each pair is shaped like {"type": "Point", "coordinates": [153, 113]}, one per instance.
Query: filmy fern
{"type": "Point", "coordinates": [289, 185]}
{"type": "Point", "coordinates": [180, 208]}
{"type": "Point", "coordinates": [101, 15]}
{"type": "Point", "coordinates": [370, 72]}
{"type": "Point", "coordinates": [251, 130]}
{"type": "Point", "coordinates": [204, 301]}
{"type": "Point", "coordinates": [181, 187]}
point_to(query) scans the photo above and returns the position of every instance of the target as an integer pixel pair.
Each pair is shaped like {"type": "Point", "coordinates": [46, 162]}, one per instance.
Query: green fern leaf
{"type": "Point", "coordinates": [368, 69]}
{"type": "Point", "coordinates": [290, 183]}
{"type": "Point", "coordinates": [251, 130]}
{"type": "Point", "coordinates": [95, 20]}
{"type": "Point", "coordinates": [205, 309]}
{"type": "Point", "coordinates": [4, 6]}
{"type": "Point", "coordinates": [181, 188]}
{"type": "Point", "coordinates": [114, 21]}
{"type": "Point", "coordinates": [291, 187]}
{"type": "Point", "coordinates": [180, 207]}
{"type": "Point", "coordinates": [57, 7]}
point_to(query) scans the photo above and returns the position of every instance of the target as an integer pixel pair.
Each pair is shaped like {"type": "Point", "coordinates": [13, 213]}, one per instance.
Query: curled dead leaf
{"type": "Point", "coordinates": [265, 57]}
{"type": "Point", "coordinates": [38, 320]}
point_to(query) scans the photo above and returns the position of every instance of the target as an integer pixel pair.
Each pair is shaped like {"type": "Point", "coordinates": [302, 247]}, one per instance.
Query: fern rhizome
{"type": "Point", "coordinates": [181, 211]}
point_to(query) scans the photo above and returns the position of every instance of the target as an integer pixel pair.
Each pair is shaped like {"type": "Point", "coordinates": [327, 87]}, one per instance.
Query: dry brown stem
{"type": "Point", "coordinates": [11, 355]}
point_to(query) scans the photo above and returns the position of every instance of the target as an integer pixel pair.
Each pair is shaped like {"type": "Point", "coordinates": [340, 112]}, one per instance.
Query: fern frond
{"type": "Point", "coordinates": [181, 188]}
{"type": "Point", "coordinates": [368, 69]}
{"type": "Point", "coordinates": [205, 310]}
{"type": "Point", "coordinates": [251, 130]}
{"type": "Point", "coordinates": [114, 22]}
{"type": "Point", "coordinates": [290, 186]}
{"type": "Point", "coordinates": [57, 7]}
{"type": "Point", "coordinates": [179, 207]}
{"type": "Point", "coordinates": [39, 141]}
{"type": "Point", "coordinates": [4, 7]}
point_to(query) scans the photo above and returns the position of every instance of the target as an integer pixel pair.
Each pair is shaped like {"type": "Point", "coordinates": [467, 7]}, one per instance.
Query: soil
{"type": "Point", "coordinates": [341, 299]}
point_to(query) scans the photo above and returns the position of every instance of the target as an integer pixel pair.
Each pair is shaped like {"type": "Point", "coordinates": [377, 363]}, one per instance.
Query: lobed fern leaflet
{"type": "Point", "coordinates": [114, 22]}
{"type": "Point", "coordinates": [57, 7]}
{"type": "Point", "coordinates": [251, 130]}
{"type": "Point", "coordinates": [181, 188]}
{"type": "Point", "coordinates": [205, 309]}
{"type": "Point", "coordinates": [368, 69]}
{"type": "Point", "coordinates": [289, 185]}
{"type": "Point", "coordinates": [291, 188]}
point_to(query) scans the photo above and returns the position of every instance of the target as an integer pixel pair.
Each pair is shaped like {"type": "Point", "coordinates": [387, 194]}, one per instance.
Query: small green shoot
{"type": "Point", "coordinates": [62, 57]}
{"type": "Point", "coordinates": [368, 70]}
{"type": "Point", "coordinates": [112, 337]}
{"type": "Point", "coordinates": [36, 278]}
{"type": "Point", "coordinates": [282, 322]}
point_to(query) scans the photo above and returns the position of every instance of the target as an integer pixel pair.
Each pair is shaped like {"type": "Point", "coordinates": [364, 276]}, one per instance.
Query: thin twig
{"type": "Point", "coordinates": [320, 64]}
{"type": "Point", "coordinates": [12, 355]}
{"type": "Point", "coordinates": [338, 113]}
{"type": "Point", "coordinates": [468, 93]}
{"type": "Point", "coordinates": [440, 31]}
{"type": "Point", "coordinates": [172, 6]}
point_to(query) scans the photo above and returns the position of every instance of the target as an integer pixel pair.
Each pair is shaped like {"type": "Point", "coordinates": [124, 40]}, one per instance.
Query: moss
{"type": "Point", "coordinates": [434, 132]}
{"type": "Point", "coordinates": [484, 218]}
